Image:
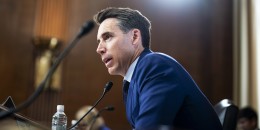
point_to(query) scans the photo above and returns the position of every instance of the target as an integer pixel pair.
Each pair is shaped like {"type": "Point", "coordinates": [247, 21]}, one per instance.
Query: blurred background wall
{"type": "Point", "coordinates": [197, 33]}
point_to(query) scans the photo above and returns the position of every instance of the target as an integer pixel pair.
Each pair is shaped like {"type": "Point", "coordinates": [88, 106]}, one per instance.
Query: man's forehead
{"type": "Point", "coordinates": [107, 25]}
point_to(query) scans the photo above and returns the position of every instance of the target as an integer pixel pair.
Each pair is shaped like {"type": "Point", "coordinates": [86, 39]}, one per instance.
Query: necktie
{"type": "Point", "coordinates": [125, 89]}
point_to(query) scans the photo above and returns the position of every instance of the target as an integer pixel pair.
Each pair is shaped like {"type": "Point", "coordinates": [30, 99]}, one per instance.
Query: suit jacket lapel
{"type": "Point", "coordinates": [132, 96]}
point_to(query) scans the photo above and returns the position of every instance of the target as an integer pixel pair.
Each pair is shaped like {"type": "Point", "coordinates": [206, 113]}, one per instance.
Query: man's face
{"type": "Point", "coordinates": [115, 47]}
{"type": "Point", "coordinates": [246, 124]}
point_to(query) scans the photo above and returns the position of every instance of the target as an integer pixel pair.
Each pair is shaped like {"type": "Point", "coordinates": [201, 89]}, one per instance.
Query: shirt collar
{"type": "Point", "coordinates": [130, 71]}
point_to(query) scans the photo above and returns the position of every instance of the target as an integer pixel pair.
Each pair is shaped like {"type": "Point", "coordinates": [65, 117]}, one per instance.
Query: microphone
{"type": "Point", "coordinates": [107, 87]}
{"type": "Point", "coordinates": [87, 27]}
{"type": "Point", "coordinates": [108, 108]}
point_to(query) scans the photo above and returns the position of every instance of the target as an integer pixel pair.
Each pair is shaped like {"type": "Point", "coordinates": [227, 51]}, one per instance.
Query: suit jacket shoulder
{"type": "Point", "coordinates": [162, 92]}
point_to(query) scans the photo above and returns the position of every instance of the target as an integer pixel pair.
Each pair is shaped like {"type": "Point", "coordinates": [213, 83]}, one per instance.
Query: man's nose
{"type": "Point", "coordinates": [101, 49]}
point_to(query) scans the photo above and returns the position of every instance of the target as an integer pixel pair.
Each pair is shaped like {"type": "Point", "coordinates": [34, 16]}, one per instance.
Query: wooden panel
{"type": "Point", "coordinates": [16, 59]}
{"type": "Point", "coordinates": [198, 33]}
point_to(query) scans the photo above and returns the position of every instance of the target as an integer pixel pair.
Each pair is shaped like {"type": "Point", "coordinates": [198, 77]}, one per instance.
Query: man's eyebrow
{"type": "Point", "coordinates": [103, 34]}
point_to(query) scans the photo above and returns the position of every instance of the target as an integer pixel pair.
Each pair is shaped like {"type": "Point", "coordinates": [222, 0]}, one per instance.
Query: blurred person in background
{"type": "Point", "coordinates": [247, 119]}
{"type": "Point", "coordinates": [92, 121]}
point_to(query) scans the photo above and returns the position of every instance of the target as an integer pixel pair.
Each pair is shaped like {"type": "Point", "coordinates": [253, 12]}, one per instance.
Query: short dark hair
{"type": "Point", "coordinates": [128, 19]}
{"type": "Point", "coordinates": [247, 113]}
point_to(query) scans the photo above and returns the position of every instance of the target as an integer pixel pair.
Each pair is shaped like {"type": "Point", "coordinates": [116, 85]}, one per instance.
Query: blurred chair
{"type": "Point", "coordinates": [227, 113]}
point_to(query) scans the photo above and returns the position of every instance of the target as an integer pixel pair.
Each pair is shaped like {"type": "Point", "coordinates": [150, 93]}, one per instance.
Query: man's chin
{"type": "Point", "coordinates": [112, 71]}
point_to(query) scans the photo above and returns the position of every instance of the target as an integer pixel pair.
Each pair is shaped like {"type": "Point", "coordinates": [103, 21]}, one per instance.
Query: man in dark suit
{"type": "Point", "coordinates": [159, 93]}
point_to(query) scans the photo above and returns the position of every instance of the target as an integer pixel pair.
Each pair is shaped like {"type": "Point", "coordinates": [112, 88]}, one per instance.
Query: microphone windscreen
{"type": "Point", "coordinates": [110, 108]}
{"type": "Point", "coordinates": [108, 86]}
{"type": "Point", "coordinates": [87, 27]}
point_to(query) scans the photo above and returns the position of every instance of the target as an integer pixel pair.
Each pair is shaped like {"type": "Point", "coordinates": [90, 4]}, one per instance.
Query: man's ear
{"type": "Point", "coordinates": [136, 36]}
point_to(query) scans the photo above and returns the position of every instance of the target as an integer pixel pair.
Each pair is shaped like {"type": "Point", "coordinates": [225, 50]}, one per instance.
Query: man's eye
{"type": "Point", "coordinates": [107, 37]}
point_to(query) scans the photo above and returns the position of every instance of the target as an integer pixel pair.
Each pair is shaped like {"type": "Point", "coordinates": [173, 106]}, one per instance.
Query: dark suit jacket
{"type": "Point", "coordinates": [162, 93]}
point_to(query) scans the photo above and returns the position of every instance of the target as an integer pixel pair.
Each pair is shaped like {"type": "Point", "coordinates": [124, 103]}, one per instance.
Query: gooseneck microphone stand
{"type": "Point", "coordinates": [87, 27]}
